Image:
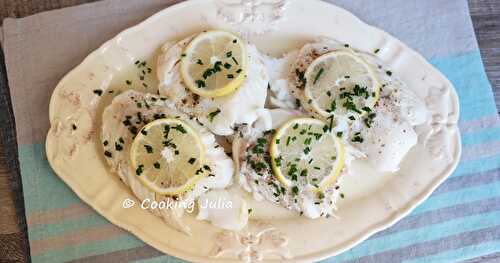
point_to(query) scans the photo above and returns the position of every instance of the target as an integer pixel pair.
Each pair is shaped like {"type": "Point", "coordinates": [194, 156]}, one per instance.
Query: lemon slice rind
{"type": "Point", "coordinates": [193, 67]}
{"type": "Point", "coordinates": [280, 134]}
{"type": "Point", "coordinates": [138, 144]}
{"type": "Point", "coordinates": [313, 78]}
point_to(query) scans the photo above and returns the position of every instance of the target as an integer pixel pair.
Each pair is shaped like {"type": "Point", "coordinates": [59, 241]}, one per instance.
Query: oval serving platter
{"type": "Point", "coordinates": [76, 155]}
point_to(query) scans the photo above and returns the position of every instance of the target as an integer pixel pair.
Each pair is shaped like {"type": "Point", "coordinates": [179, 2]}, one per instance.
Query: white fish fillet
{"type": "Point", "coordinates": [240, 107]}
{"type": "Point", "coordinates": [114, 131]}
{"type": "Point", "coordinates": [392, 133]}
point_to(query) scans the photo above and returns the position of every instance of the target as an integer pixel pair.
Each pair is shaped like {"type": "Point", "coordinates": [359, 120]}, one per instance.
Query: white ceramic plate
{"type": "Point", "coordinates": [76, 155]}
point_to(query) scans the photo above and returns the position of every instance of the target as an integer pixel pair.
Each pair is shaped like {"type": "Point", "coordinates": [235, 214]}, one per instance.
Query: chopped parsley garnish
{"type": "Point", "coordinates": [227, 65]}
{"type": "Point", "coordinates": [105, 143]}
{"type": "Point", "coordinates": [339, 134]}
{"type": "Point", "coordinates": [330, 124]}
{"type": "Point", "coordinates": [357, 138]}
{"type": "Point", "coordinates": [144, 132]}
{"type": "Point", "coordinates": [389, 73]}
{"type": "Point", "coordinates": [376, 50]}
{"type": "Point", "coordinates": [333, 106]}
{"type": "Point", "coordinates": [199, 62]}
{"type": "Point", "coordinates": [148, 148]}
{"type": "Point", "coordinates": [235, 61]}
{"type": "Point", "coordinates": [229, 54]}
{"type": "Point", "coordinates": [118, 147]}
{"type": "Point", "coordinates": [73, 126]}
{"type": "Point", "coordinates": [192, 160]}
{"type": "Point", "coordinates": [320, 72]}
{"type": "Point", "coordinates": [307, 150]}
{"type": "Point", "coordinates": [108, 154]}
{"type": "Point", "coordinates": [139, 170]}
{"type": "Point", "coordinates": [200, 83]}
{"type": "Point", "coordinates": [128, 82]}
{"type": "Point", "coordinates": [349, 105]}
{"type": "Point", "coordinates": [180, 128]}
{"type": "Point", "coordinates": [212, 115]}
{"type": "Point", "coordinates": [156, 165]}
{"type": "Point", "coordinates": [295, 190]}
{"type": "Point", "coordinates": [230, 76]}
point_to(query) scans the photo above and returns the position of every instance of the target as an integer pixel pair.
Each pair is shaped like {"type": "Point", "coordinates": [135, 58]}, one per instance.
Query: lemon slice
{"type": "Point", "coordinates": [341, 83]}
{"type": "Point", "coordinates": [304, 151]}
{"type": "Point", "coordinates": [167, 156]}
{"type": "Point", "coordinates": [214, 64]}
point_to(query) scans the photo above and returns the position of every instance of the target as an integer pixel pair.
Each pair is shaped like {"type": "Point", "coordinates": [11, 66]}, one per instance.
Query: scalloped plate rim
{"type": "Point", "coordinates": [327, 253]}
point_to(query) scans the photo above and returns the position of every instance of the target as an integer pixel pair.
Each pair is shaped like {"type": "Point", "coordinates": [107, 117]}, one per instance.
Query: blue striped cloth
{"type": "Point", "coordinates": [460, 221]}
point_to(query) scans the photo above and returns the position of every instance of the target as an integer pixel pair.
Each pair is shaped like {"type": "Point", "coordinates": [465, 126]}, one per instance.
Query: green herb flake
{"type": "Point", "coordinates": [149, 148]}
{"type": "Point", "coordinates": [180, 128]}
{"type": "Point", "coordinates": [212, 115]}
{"type": "Point", "coordinates": [200, 83]}
{"type": "Point", "coordinates": [235, 61]}
{"type": "Point", "coordinates": [357, 138]}
{"type": "Point", "coordinates": [320, 72]}
{"type": "Point", "coordinates": [118, 147]}
{"type": "Point", "coordinates": [139, 170]}
{"type": "Point", "coordinates": [98, 92]}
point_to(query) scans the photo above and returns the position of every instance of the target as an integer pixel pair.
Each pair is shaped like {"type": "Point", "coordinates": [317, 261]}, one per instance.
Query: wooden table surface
{"type": "Point", "coordinates": [13, 240]}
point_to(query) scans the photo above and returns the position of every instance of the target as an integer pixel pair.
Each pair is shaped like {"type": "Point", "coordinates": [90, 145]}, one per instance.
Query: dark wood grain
{"type": "Point", "coordinates": [13, 238]}
{"type": "Point", "coordinates": [486, 18]}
